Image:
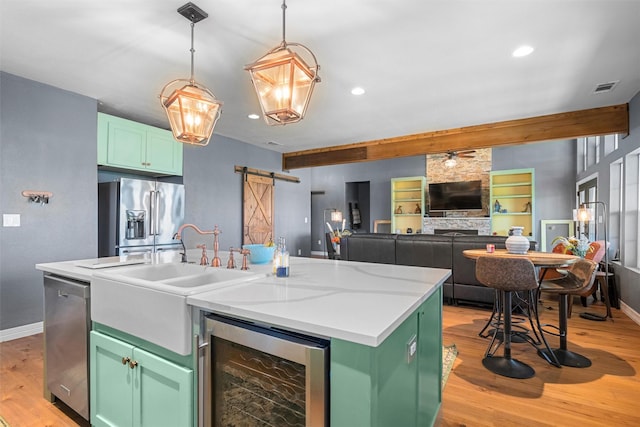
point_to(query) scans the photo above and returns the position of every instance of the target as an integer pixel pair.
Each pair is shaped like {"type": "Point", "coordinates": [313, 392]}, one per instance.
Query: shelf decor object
{"type": "Point", "coordinates": [191, 108]}
{"type": "Point", "coordinates": [517, 243]}
{"type": "Point", "coordinates": [283, 81]}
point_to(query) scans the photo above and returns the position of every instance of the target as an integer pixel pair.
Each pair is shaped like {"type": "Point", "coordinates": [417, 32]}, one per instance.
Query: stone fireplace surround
{"type": "Point", "coordinates": [483, 224]}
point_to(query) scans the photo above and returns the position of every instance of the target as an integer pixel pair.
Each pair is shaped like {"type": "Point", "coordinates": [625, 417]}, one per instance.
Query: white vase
{"type": "Point", "coordinates": [517, 243]}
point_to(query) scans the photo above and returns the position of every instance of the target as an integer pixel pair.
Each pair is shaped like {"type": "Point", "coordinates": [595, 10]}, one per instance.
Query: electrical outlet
{"type": "Point", "coordinates": [299, 252]}
{"type": "Point", "coordinates": [319, 242]}
{"type": "Point", "coordinates": [412, 348]}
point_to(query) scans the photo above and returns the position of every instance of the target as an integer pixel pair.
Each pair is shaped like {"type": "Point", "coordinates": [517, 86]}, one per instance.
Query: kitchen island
{"type": "Point", "coordinates": [383, 323]}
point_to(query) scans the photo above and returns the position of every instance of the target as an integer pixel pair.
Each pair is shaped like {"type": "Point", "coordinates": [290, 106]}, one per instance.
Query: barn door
{"type": "Point", "coordinates": [257, 209]}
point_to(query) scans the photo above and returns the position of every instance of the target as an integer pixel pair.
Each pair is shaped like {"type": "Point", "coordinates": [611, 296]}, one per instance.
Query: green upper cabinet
{"type": "Point", "coordinates": [125, 144]}
{"type": "Point", "coordinates": [133, 387]}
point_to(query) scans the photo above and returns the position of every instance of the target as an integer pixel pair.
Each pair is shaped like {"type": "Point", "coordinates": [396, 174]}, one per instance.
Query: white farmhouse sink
{"type": "Point", "coordinates": [150, 301]}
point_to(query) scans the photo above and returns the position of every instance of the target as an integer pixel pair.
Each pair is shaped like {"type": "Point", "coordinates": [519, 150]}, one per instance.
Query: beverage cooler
{"type": "Point", "coordinates": [256, 375]}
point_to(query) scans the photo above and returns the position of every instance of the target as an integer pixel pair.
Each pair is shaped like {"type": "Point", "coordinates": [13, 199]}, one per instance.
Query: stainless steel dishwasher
{"type": "Point", "coordinates": [66, 336]}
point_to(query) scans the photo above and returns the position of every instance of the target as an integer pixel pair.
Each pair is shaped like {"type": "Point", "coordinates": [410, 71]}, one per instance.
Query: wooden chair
{"type": "Point", "coordinates": [508, 275]}
{"type": "Point", "coordinates": [578, 281]}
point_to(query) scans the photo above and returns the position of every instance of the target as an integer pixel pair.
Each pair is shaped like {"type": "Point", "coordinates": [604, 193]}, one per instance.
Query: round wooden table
{"type": "Point", "coordinates": [539, 259]}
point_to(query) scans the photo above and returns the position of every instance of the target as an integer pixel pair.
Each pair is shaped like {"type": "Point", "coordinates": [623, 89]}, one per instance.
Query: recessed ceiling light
{"type": "Point", "coordinates": [253, 116]}
{"type": "Point", "coordinates": [357, 91]}
{"type": "Point", "coordinates": [522, 51]}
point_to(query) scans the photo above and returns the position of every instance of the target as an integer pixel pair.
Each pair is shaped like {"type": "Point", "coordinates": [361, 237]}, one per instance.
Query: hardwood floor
{"type": "Point", "coordinates": [607, 393]}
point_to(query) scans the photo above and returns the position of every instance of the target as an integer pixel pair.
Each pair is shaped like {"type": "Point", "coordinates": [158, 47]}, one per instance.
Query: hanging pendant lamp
{"type": "Point", "coordinates": [284, 81]}
{"type": "Point", "coordinates": [191, 108]}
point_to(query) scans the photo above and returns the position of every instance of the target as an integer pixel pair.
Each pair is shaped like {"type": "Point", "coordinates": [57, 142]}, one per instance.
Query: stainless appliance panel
{"type": "Point", "coordinates": [138, 216]}
{"type": "Point", "coordinates": [167, 212]}
{"type": "Point", "coordinates": [66, 332]}
{"type": "Point", "coordinates": [255, 375]}
{"type": "Point", "coordinates": [135, 213]}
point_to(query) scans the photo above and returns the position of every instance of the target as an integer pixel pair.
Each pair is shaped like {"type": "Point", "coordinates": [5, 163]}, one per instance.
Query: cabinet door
{"type": "Point", "coordinates": [164, 154]}
{"type": "Point", "coordinates": [162, 392]}
{"type": "Point", "coordinates": [110, 381]}
{"type": "Point", "coordinates": [126, 144]}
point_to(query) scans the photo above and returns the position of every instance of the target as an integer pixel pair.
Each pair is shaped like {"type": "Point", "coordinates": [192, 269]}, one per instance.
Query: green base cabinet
{"type": "Point", "coordinates": [133, 387]}
{"type": "Point", "coordinates": [386, 386]}
{"type": "Point", "coordinates": [125, 144]}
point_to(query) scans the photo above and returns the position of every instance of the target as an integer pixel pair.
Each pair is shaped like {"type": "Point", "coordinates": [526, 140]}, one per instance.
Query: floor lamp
{"type": "Point", "coordinates": [583, 214]}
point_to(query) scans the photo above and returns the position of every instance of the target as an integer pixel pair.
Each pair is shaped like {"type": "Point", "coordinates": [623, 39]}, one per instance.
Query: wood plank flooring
{"type": "Point", "coordinates": [606, 394]}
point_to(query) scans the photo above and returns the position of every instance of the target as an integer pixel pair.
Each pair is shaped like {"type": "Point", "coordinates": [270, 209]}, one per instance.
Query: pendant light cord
{"type": "Point", "coordinates": [284, 9]}
{"type": "Point", "coordinates": [192, 50]}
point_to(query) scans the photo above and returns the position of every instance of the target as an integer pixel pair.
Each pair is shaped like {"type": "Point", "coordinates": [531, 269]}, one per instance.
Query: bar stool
{"type": "Point", "coordinates": [578, 281]}
{"type": "Point", "coordinates": [508, 275]}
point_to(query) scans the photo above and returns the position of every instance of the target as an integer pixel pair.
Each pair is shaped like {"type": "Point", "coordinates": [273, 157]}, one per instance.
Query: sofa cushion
{"type": "Point", "coordinates": [376, 247]}
{"type": "Point", "coordinates": [424, 250]}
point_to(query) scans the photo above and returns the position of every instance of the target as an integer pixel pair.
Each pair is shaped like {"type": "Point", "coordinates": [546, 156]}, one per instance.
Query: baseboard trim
{"type": "Point", "coordinates": [633, 315]}
{"type": "Point", "coordinates": [21, 331]}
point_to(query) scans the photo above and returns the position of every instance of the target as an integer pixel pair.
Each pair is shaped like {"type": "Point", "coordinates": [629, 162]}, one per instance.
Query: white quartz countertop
{"type": "Point", "coordinates": [358, 302]}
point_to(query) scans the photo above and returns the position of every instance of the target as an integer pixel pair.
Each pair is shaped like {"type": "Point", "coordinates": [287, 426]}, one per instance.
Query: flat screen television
{"type": "Point", "coordinates": [451, 196]}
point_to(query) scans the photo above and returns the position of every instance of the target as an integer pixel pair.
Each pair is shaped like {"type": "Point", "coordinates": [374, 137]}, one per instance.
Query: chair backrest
{"type": "Point", "coordinates": [595, 254]}
{"type": "Point", "coordinates": [507, 274]}
{"type": "Point", "coordinates": [597, 251]}
{"type": "Point", "coordinates": [581, 276]}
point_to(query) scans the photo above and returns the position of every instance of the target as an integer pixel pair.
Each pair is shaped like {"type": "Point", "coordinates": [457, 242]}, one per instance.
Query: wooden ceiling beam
{"type": "Point", "coordinates": [575, 124]}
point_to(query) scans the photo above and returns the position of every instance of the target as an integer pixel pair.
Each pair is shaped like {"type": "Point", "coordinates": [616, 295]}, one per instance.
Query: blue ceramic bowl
{"type": "Point", "coordinates": [260, 254]}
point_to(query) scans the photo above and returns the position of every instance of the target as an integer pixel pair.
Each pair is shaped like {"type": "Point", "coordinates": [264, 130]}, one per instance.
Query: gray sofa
{"type": "Point", "coordinates": [428, 250]}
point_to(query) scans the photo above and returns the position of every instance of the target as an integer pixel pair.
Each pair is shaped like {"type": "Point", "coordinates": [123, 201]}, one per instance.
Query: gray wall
{"type": "Point", "coordinates": [332, 179]}
{"type": "Point", "coordinates": [47, 142]}
{"type": "Point", "coordinates": [214, 192]}
{"type": "Point", "coordinates": [555, 172]}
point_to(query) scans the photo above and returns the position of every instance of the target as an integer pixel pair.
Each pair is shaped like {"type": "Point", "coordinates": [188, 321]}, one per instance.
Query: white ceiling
{"type": "Point", "coordinates": [426, 65]}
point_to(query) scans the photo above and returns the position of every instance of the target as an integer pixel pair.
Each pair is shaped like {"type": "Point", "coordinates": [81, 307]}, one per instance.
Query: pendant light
{"type": "Point", "coordinates": [283, 81]}
{"type": "Point", "coordinates": [191, 108]}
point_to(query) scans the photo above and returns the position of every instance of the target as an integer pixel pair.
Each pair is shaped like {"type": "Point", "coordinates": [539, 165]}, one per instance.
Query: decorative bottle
{"type": "Point", "coordinates": [517, 243]}
{"type": "Point", "coordinates": [282, 265]}
{"type": "Point", "coordinates": [276, 257]}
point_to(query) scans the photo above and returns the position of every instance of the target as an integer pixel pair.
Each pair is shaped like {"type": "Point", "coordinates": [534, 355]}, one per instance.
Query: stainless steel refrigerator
{"type": "Point", "coordinates": [137, 216]}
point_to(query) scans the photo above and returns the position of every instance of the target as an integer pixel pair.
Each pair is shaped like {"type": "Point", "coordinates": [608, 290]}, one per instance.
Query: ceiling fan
{"type": "Point", "coordinates": [450, 158]}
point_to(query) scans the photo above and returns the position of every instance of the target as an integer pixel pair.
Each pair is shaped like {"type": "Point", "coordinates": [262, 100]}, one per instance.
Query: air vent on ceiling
{"type": "Point", "coordinates": [605, 87]}
{"type": "Point", "coordinates": [273, 143]}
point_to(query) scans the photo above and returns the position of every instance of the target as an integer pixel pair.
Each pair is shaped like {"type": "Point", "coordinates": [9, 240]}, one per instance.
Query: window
{"type": "Point", "coordinates": [630, 247]}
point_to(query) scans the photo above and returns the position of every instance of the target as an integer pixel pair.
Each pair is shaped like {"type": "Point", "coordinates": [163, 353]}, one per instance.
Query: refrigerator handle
{"type": "Point", "coordinates": [153, 213]}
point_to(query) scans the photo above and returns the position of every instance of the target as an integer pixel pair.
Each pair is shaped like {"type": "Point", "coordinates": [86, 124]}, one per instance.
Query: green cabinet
{"type": "Point", "coordinates": [133, 387]}
{"type": "Point", "coordinates": [397, 383]}
{"type": "Point", "coordinates": [125, 144]}
{"type": "Point", "coordinates": [407, 204]}
{"type": "Point", "coordinates": [512, 201]}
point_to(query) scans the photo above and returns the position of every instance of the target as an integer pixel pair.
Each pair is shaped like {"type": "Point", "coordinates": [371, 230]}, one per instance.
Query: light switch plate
{"type": "Point", "coordinates": [11, 220]}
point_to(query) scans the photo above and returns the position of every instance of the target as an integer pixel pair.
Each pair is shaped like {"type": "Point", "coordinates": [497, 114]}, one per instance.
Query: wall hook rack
{"type": "Point", "coordinates": [41, 197]}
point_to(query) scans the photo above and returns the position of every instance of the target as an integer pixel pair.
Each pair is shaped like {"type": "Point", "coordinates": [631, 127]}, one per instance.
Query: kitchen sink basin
{"type": "Point", "coordinates": [182, 279]}
{"type": "Point", "coordinates": [150, 301]}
